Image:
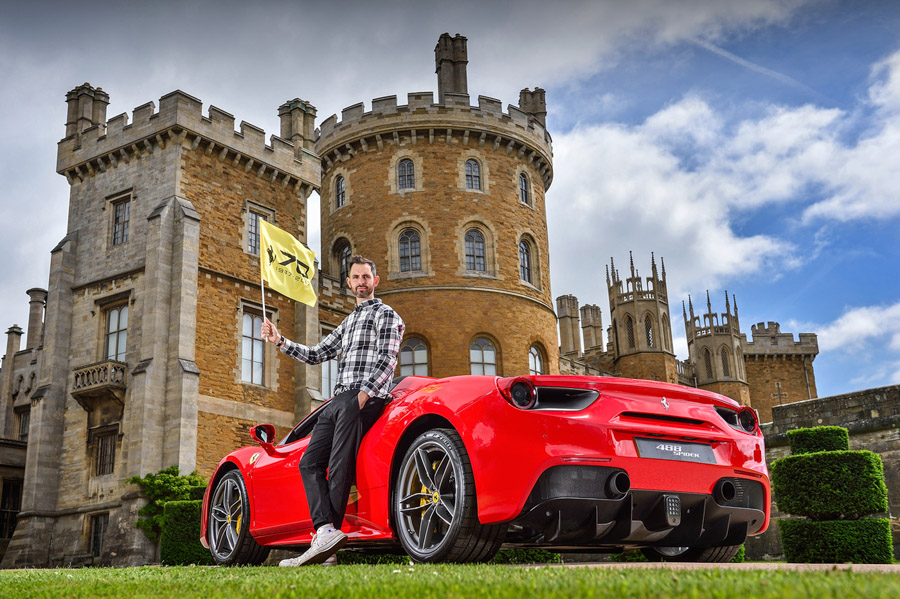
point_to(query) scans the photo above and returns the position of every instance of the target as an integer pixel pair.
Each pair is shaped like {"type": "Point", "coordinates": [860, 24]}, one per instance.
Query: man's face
{"type": "Point", "coordinates": [361, 281]}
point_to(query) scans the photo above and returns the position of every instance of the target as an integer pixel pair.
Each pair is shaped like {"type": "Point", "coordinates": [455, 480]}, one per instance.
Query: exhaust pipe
{"type": "Point", "coordinates": [618, 484]}
{"type": "Point", "coordinates": [724, 492]}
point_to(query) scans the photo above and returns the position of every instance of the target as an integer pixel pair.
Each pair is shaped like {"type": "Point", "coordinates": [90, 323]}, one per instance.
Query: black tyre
{"type": "Point", "coordinates": [227, 529]}
{"type": "Point", "coordinates": [434, 505]}
{"type": "Point", "coordinates": [716, 555]}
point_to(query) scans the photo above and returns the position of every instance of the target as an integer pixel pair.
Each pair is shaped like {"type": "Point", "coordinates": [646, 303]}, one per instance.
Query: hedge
{"type": "Point", "coordinates": [829, 485]}
{"type": "Point", "coordinates": [819, 438]}
{"type": "Point", "coordinates": [865, 541]}
{"type": "Point", "coordinates": [180, 541]}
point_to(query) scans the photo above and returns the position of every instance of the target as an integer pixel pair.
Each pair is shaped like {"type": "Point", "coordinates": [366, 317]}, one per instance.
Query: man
{"type": "Point", "coordinates": [368, 342]}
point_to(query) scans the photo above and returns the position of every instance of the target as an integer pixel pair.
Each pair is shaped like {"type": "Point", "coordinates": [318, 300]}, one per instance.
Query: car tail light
{"type": "Point", "coordinates": [519, 392]}
{"type": "Point", "coordinates": [747, 419]}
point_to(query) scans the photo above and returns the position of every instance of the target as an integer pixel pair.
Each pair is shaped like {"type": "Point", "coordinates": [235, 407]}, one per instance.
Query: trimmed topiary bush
{"type": "Point", "coordinates": [831, 485]}
{"type": "Point", "coordinates": [836, 489]}
{"type": "Point", "coordinates": [820, 438]}
{"type": "Point", "coordinates": [180, 538]}
{"type": "Point", "coordinates": [837, 541]}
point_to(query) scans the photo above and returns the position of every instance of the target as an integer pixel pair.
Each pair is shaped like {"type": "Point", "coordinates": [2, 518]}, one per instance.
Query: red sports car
{"type": "Point", "coordinates": [454, 468]}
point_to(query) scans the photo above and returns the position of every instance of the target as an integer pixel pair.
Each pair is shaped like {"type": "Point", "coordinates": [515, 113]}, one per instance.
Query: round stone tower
{"type": "Point", "coordinates": [448, 200]}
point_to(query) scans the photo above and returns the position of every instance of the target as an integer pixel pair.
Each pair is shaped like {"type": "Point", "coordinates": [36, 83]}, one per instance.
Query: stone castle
{"type": "Point", "coordinates": [144, 351]}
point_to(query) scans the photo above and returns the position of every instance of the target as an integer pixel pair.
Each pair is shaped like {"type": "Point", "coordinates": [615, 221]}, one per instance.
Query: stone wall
{"type": "Point", "coordinates": [872, 417]}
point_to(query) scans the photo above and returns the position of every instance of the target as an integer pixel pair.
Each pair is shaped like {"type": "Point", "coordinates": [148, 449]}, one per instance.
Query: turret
{"type": "Point", "coordinates": [86, 108]}
{"type": "Point", "coordinates": [450, 60]}
{"type": "Point", "coordinates": [35, 317]}
{"type": "Point", "coordinates": [534, 103]}
{"type": "Point", "coordinates": [569, 335]}
{"type": "Point", "coordinates": [298, 123]}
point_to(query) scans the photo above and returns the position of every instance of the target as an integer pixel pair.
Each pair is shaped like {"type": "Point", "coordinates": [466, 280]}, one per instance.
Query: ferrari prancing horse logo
{"type": "Point", "coordinates": [254, 457]}
{"type": "Point", "coordinates": [665, 403]}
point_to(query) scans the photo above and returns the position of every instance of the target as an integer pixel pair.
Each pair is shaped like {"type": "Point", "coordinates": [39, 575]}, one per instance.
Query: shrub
{"type": "Point", "coordinates": [829, 485]}
{"type": "Point", "coordinates": [180, 538]}
{"type": "Point", "coordinates": [165, 485]}
{"type": "Point", "coordinates": [837, 541]}
{"type": "Point", "coordinates": [819, 438]}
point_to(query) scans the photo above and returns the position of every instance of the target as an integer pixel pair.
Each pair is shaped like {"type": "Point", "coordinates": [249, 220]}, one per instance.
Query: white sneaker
{"type": "Point", "coordinates": [324, 545]}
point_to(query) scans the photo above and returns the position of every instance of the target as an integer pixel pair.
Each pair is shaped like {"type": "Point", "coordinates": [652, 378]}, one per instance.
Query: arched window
{"type": "Point", "coordinates": [524, 196]}
{"type": "Point", "coordinates": [413, 358]}
{"type": "Point", "coordinates": [475, 250]}
{"type": "Point", "coordinates": [525, 261]}
{"type": "Point", "coordinates": [725, 369]}
{"type": "Point", "coordinates": [410, 251]}
{"type": "Point", "coordinates": [648, 329]}
{"type": "Point", "coordinates": [406, 174]}
{"type": "Point", "coordinates": [707, 361]}
{"type": "Point", "coordinates": [629, 331]}
{"type": "Point", "coordinates": [666, 331]}
{"type": "Point", "coordinates": [340, 195]}
{"type": "Point", "coordinates": [343, 253]}
{"type": "Point", "coordinates": [483, 357]}
{"type": "Point", "coordinates": [473, 174]}
{"type": "Point", "coordinates": [535, 361]}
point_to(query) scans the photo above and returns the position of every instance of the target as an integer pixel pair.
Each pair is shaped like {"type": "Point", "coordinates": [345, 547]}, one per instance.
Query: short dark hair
{"type": "Point", "coordinates": [357, 259]}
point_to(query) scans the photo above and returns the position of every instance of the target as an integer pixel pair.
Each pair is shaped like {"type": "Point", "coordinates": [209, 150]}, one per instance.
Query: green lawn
{"type": "Point", "coordinates": [442, 581]}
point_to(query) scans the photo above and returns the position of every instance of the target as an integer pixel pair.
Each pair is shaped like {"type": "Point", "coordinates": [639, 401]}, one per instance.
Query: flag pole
{"type": "Point", "coordinates": [262, 288]}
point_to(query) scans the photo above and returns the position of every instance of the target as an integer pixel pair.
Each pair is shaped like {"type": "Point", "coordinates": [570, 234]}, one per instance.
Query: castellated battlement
{"type": "Point", "coordinates": [768, 340]}
{"type": "Point", "coordinates": [421, 120]}
{"type": "Point", "coordinates": [105, 145]}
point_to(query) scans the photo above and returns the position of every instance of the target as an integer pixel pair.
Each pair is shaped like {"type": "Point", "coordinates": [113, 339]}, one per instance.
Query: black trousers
{"type": "Point", "coordinates": [328, 466]}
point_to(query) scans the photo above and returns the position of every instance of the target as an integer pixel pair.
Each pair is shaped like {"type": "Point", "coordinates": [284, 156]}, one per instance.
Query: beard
{"type": "Point", "coordinates": [363, 292]}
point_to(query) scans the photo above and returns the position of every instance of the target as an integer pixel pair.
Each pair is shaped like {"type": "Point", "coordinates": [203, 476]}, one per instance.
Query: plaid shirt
{"type": "Point", "coordinates": [368, 341]}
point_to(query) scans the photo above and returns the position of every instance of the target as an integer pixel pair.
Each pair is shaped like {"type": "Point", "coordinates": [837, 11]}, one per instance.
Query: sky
{"type": "Point", "coordinates": [752, 145]}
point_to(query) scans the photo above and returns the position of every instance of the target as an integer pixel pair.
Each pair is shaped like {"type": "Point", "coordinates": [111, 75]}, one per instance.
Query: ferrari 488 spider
{"type": "Point", "coordinates": [454, 468]}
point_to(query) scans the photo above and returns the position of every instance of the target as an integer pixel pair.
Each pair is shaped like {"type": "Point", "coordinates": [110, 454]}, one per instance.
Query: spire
{"type": "Point", "coordinates": [653, 266]}
{"type": "Point", "coordinates": [727, 305]}
{"type": "Point", "coordinates": [663, 262]}
{"type": "Point", "coordinates": [708, 303]}
{"type": "Point", "coordinates": [612, 266]}
{"type": "Point", "coordinates": [683, 310]}
{"type": "Point", "coordinates": [735, 305]}
{"type": "Point", "coordinates": [631, 260]}
{"type": "Point", "coordinates": [608, 283]}
{"type": "Point", "coordinates": [691, 306]}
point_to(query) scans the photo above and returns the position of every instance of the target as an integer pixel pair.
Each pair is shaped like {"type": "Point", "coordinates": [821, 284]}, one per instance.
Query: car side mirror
{"type": "Point", "coordinates": [264, 434]}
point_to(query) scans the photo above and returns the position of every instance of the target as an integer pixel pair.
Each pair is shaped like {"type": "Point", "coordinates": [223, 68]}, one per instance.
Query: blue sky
{"type": "Point", "coordinates": [754, 145]}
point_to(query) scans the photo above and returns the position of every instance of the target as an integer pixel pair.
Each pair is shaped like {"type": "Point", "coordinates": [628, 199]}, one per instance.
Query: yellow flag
{"type": "Point", "coordinates": [286, 264]}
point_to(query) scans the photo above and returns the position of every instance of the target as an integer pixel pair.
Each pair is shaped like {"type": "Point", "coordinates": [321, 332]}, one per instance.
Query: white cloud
{"type": "Point", "coordinates": [859, 327]}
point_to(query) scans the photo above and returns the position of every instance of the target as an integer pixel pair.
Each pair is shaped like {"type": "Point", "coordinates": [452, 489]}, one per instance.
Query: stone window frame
{"type": "Point", "coordinates": [341, 241]}
{"type": "Point", "coordinates": [522, 171]}
{"type": "Point", "coordinates": [484, 227]}
{"type": "Point", "coordinates": [97, 525]}
{"type": "Point", "coordinates": [537, 349]}
{"type": "Point", "coordinates": [725, 359]}
{"type": "Point", "coordinates": [23, 423]}
{"type": "Point", "coordinates": [113, 203]}
{"type": "Point", "coordinates": [340, 192]}
{"type": "Point", "coordinates": [535, 260]}
{"type": "Point", "coordinates": [251, 208]}
{"type": "Point", "coordinates": [269, 358]}
{"type": "Point", "coordinates": [339, 173]}
{"type": "Point", "coordinates": [103, 306]}
{"type": "Point", "coordinates": [630, 337]}
{"type": "Point", "coordinates": [396, 229]}
{"type": "Point", "coordinates": [105, 452]}
{"type": "Point", "coordinates": [497, 352]}
{"type": "Point", "coordinates": [406, 174]}
{"type": "Point", "coordinates": [393, 172]}
{"type": "Point", "coordinates": [11, 496]}
{"type": "Point", "coordinates": [411, 258]}
{"type": "Point", "coordinates": [473, 154]}
{"type": "Point", "coordinates": [406, 345]}
{"type": "Point", "coordinates": [708, 364]}
{"type": "Point", "coordinates": [666, 332]}
{"type": "Point", "coordinates": [651, 334]}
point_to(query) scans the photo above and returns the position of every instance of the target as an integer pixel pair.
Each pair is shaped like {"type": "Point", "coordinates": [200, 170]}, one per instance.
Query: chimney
{"type": "Point", "coordinates": [569, 335]}
{"type": "Point", "coordinates": [86, 108]}
{"type": "Point", "coordinates": [591, 326]}
{"type": "Point", "coordinates": [534, 103]}
{"type": "Point", "coordinates": [298, 122]}
{"type": "Point", "coordinates": [36, 317]}
{"type": "Point", "coordinates": [450, 60]}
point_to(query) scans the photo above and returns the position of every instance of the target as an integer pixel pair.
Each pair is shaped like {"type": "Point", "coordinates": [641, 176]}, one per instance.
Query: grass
{"type": "Point", "coordinates": [443, 582]}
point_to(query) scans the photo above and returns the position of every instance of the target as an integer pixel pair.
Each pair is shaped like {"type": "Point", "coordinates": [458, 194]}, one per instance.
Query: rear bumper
{"type": "Point", "coordinates": [597, 516]}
